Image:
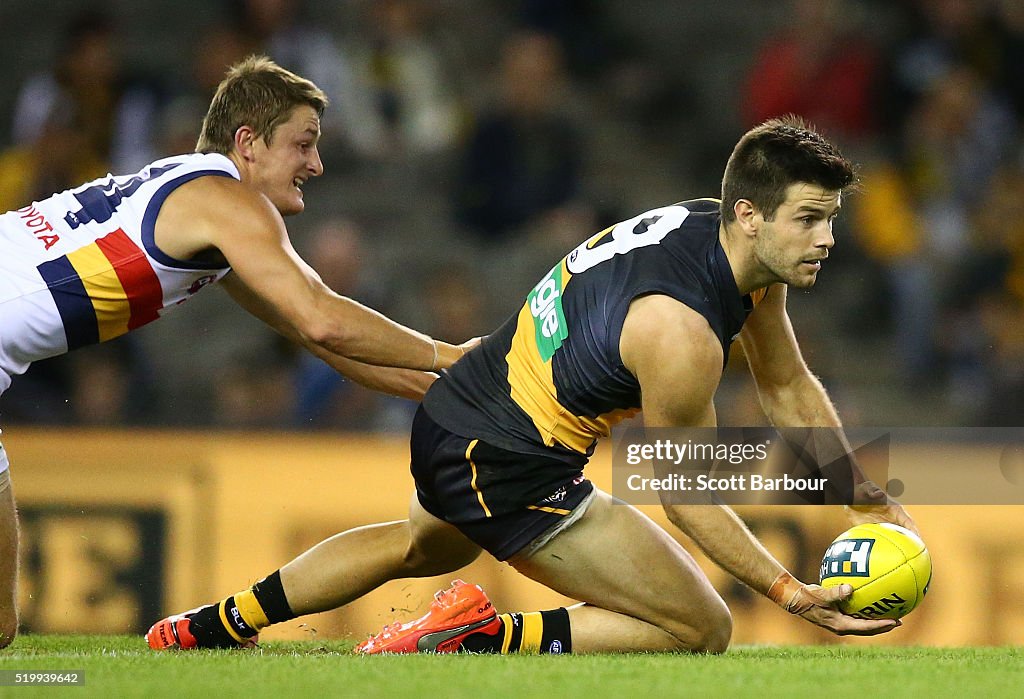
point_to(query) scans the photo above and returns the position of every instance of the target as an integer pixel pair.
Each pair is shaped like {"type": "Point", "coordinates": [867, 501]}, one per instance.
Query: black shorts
{"type": "Point", "coordinates": [500, 500]}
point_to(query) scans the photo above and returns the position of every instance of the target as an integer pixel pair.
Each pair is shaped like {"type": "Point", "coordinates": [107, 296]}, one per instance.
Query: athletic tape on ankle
{"type": "Point", "coordinates": [251, 611]}
{"type": "Point", "coordinates": [533, 633]}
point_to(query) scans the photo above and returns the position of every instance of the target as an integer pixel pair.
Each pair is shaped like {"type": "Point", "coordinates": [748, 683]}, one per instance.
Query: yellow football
{"type": "Point", "coordinates": [888, 566]}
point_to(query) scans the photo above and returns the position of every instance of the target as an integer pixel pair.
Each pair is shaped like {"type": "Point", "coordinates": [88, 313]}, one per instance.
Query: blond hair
{"type": "Point", "coordinates": [258, 93]}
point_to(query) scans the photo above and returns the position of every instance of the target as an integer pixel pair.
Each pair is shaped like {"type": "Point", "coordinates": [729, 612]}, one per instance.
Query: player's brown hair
{"type": "Point", "coordinates": [259, 93]}
{"type": "Point", "coordinates": [772, 156]}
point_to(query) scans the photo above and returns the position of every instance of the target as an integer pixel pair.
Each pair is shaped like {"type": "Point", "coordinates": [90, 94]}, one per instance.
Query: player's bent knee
{"type": "Point", "coordinates": [709, 634]}
{"type": "Point", "coordinates": [716, 632]}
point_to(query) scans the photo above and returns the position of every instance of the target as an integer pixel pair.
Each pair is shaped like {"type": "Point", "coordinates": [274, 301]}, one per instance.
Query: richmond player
{"type": "Point", "coordinates": [639, 317]}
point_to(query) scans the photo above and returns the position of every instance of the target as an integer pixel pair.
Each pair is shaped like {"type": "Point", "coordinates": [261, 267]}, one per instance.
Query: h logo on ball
{"type": "Point", "coordinates": [847, 557]}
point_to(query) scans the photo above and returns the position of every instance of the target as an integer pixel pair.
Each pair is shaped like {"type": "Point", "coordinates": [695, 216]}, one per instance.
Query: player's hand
{"type": "Point", "coordinates": [818, 605]}
{"type": "Point", "coordinates": [873, 505]}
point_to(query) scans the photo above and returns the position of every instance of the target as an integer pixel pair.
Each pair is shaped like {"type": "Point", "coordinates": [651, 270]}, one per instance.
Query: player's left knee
{"type": "Point", "coordinates": [710, 633]}
{"type": "Point", "coordinates": [716, 631]}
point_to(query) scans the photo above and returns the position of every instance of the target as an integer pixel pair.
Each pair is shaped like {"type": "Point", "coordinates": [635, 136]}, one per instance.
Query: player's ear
{"type": "Point", "coordinates": [746, 216]}
{"type": "Point", "coordinates": [245, 136]}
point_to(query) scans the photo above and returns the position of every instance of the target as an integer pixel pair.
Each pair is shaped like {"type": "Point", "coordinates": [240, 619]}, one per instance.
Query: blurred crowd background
{"type": "Point", "coordinates": [471, 143]}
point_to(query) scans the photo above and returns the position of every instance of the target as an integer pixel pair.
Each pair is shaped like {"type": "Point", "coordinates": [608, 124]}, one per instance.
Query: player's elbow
{"type": "Point", "coordinates": [337, 328]}
{"type": "Point", "coordinates": [320, 321]}
{"type": "Point", "coordinates": [314, 333]}
{"type": "Point", "coordinates": [317, 330]}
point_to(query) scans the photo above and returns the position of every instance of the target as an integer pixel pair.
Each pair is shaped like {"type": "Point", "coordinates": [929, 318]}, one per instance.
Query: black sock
{"type": "Point", "coordinates": [530, 633]}
{"type": "Point", "coordinates": [270, 594]}
{"type": "Point", "coordinates": [221, 625]}
{"type": "Point", "coordinates": [208, 629]}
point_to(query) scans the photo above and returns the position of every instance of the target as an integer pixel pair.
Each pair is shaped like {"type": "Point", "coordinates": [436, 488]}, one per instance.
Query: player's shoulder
{"type": "Point", "coordinates": [658, 311]}
{"type": "Point", "coordinates": [659, 325]}
{"type": "Point", "coordinates": [224, 193]}
{"type": "Point", "coordinates": [223, 201]}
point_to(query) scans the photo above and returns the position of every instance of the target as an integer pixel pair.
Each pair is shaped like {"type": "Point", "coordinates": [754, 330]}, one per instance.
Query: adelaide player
{"type": "Point", "coordinates": [92, 263]}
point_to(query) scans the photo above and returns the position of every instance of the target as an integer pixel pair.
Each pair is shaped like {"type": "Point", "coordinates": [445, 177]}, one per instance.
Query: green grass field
{"type": "Point", "coordinates": [121, 666]}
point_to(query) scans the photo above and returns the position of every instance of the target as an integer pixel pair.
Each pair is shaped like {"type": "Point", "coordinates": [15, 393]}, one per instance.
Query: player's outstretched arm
{"type": "Point", "coordinates": [404, 383]}
{"type": "Point", "coordinates": [677, 359]}
{"type": "Point", "coordinates": [223, 214]}
{"type": "Point", "coordinates": [722, 535]}
{"type": "Point", "coordinates": [792, 396]}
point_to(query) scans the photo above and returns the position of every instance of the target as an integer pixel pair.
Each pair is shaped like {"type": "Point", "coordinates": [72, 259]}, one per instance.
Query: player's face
{"type": "Point", "coordinates": [794, 243]}
{"type": "Point", "coordinates": [283, 166]}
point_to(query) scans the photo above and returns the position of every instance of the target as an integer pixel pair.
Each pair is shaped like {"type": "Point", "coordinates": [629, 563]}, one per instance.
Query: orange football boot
{"type": "Point", "coordinates": [455, 613]}
{"type": "Point", "coordinates": [174, 633]}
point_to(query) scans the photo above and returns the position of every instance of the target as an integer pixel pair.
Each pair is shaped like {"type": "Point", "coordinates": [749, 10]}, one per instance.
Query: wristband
{"type": "Point", "coordinates": [433, 364]}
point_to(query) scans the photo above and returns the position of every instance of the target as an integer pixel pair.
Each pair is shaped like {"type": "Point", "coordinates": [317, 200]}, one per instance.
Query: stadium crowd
{"type": "Point", "coordinates": [468, 142]}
